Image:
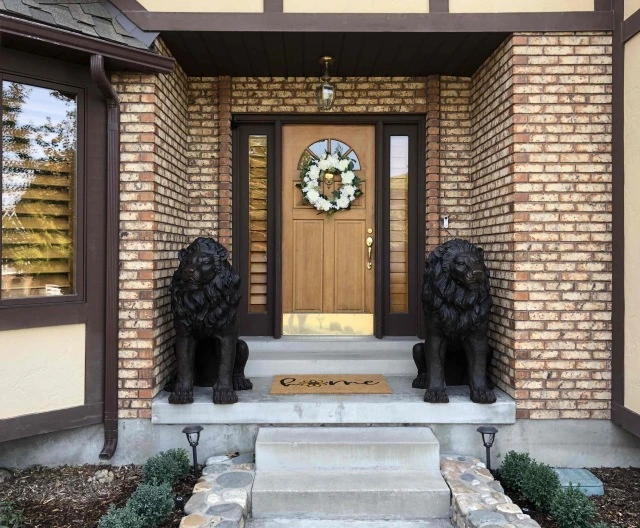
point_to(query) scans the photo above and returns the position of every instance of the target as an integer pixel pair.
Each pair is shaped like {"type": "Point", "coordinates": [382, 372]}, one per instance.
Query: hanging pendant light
{"type": "Point", "coordinates": [325, 92]}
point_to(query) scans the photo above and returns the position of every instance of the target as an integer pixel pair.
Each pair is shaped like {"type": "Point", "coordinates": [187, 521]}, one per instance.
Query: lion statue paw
{"type": "Point", "coordinates": [181, 395]}
{"type": "Point", "coordinates": [421, 382]}
{"type": "Point", "coordinates": [224, 396]}
{"type": "Point", "coordinates": [242, 383]}
{"type": "Point", "coordinates": [483, 396]}
{"type": "Point", "coordinates": [436, 396]}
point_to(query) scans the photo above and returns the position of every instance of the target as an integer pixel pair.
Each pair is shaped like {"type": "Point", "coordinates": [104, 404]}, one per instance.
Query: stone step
{"type": "Point", "coordinates": [346, 523]}
{"type": "Point", "coordinates": [380, 494]}
{"type": "Point", "coordinates": [329, 355]}
{"type": "Point", "coordinates": [347, 448]}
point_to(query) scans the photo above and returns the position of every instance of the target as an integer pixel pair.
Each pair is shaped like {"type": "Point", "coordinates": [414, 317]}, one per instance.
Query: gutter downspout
{"type": "Point", "coordinates": [101, 80]}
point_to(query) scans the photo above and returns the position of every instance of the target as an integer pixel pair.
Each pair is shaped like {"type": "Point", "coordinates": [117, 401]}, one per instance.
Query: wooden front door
{"type": "Point", "coordinates": [328, 271]}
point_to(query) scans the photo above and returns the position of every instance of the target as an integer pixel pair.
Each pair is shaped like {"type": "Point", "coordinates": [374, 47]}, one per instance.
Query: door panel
{"type": "Point", "coordinates": [308, 277]}
{"type": "Point", "coordinates": [324, 258]}
{"type": "Point", "coordinates": [350, 261]}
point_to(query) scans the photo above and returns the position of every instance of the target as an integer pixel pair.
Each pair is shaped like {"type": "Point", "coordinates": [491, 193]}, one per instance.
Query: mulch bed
{"type": "Point", "coordinates": [619, 506]}
{"type": "Point", "coordinates": [66, 497]}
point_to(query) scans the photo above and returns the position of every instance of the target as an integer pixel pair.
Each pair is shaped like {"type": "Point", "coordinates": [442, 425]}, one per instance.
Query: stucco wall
{"type": "Point", "coordinates": [356, 6]}
{"type": "Point", "coordinates": [519, 6]}
{"type": "Point", "coordinates": [632, 221]}
{"type": "Point", "coordinates": [43, 369]}
{"type": "Point", "coordinates": [630, 7]}
{"type": "Point", "coordinates": [204, 6]}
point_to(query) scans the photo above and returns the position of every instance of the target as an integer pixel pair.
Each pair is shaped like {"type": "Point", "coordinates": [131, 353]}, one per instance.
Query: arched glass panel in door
{"type": "Point", "coordinates": [333, 146]}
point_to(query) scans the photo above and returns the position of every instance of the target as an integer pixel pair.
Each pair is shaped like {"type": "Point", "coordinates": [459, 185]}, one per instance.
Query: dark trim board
{"type": "Point", "coordinates": [373, 23]}
{"type": "Point", "coordinates": [438, 6]}
{"type": "Point", "coordinates": [618, 209]}
{"type": "Point", "coordinates": [631, 26]}
{"type": "Point", "coordinates": [603, 5]}
{"type": "Point", "coordinates": [625, 418]}
{"type": "Point", "coordinates": [273, 6]}
{"type": "Point", "coordinates": [622, 416]}
{"type": "Point", "coordinates": [120, 56]}
{"type": "Point", "coordinates": [49, 422]}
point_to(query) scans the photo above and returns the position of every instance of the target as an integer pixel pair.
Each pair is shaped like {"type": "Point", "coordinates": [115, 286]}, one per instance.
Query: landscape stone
{"type": "Point", "coordinates": [228, 524]}
{"type": "Point", "coordinates": [230, 512]}
{"type": "Point", "coordinates": [235, 479]}
{"type": "Point", "coordinates": [237, 496]}
{"type": "Point", "coordinates": [478, 501]}
{"type": "Point", "coordinates": [4, 474]}
{"type": "Point", "coordinates": [195, 521]}
{"type": "Point", "coordinates": [202, 486]}
{"type": "Point", "coordinates": [196, 504]}
{"type": "Point", "coordinates": [215, 469]}
{"type": "Point", "coordinates": [216, 459]}
{"type": "Point", "coordinates": [508, 507]}
{"type": "Point", "coordinates": [485, 519]}
{"type": "Point", "coordinates": [245, 458]}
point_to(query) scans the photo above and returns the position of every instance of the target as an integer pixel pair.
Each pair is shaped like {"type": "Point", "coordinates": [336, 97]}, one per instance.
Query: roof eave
{"type": "Point", "coordinates": [118, 54]}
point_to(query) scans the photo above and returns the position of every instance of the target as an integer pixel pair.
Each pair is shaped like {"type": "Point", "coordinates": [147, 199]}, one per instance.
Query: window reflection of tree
{"type": "Point", "coordinates": [38, 172]}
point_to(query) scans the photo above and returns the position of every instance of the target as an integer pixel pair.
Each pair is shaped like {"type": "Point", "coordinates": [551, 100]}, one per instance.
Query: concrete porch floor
{"type": "Point", "coordinates": [404, 406]}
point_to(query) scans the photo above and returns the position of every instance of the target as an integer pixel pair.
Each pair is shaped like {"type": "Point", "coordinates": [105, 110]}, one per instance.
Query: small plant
{"type": "Point", "coordinates": [600, 524]}
{"type": "Point", "coordinates": [121, 518]}
{"type": "Point", "coordinates": [10, 515]}
{"type": "Point", "coordinates": [513, 469]}
{"type": "Point", "coordinates": [153, 504]}
{"type": "Point", "coordinates": [573, 509]}
{"type": "Point", "coordinates": [169, 467]}
{"type": "Point", "coordinates": [540, 484]}
{"type": "Point", "coordinates": [181, 458]}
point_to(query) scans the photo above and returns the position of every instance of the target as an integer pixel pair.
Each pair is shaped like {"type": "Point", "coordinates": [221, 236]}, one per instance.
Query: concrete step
{"type": "Point", "coordinates": [346, 523]}
{"type": "Point", "coordinates": [347, 448]}
{"type": "Point", "coordinates": [350, 494]}
{"type": "Point", "coordinates": [329, 355]}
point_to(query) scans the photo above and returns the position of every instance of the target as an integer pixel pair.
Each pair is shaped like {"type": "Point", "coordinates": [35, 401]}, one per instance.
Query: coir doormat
{"type": "Point", "coordinates": [330, 384]}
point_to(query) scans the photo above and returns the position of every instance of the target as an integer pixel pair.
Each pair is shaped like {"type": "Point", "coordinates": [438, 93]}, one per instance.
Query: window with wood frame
{"type": "Point", "coordinates": [39, 158]}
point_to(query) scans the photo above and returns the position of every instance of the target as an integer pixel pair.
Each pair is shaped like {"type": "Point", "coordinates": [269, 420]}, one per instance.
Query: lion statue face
{"type": "Point", "coordinates": [200, 262]}
{"type": "Point", "coordinates": [205, 291]}
{"type": "Point", "coordinates": [468, 270]}
{"type": "Point", "coordinates": [455, 291]}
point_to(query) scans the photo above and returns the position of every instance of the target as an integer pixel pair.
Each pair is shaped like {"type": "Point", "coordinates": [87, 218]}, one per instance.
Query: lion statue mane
{"type": "Point", "coordinates": [456, 302]}
{"type": "Point", "coordinates": [205, 294]}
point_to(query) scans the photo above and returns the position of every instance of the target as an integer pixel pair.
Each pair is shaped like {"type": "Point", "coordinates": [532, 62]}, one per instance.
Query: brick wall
{"type": "Point", "coordinates": [491, 218]}
{"type": "Point", "coordinates": [153, 219]}
{"type": "Point", "coordinates": [525, 157]}
{"type": "Point", "coordinates": [562, 215]}
{"type": "Point", "coordinates": [202, 156]}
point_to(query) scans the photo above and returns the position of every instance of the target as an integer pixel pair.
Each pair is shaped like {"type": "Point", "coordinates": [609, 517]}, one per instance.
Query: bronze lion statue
{"type": "Point", "coordinates": [205, 294]}
{"type": "Point", "coordinates": [457, 304]}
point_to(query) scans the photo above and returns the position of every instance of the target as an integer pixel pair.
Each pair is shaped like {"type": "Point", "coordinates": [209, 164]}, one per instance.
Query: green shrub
{"type": "Point", "coordinates": [600, 524]}
{"type": "Point", "coordinates": [513, 469]}
{"type": "Point", "coordinates": [153, 504]}
{"type": "Point", "coordinates": [573, 509]}
{"type": "Point", "coordinates": [539, 485]}
{"type": "Point", "coordinates": [121, 518]}
{"type": "Point", "coordinates": [10, 515]}
{"type": "Point", "coordinates": [181, 458]}
{"type": "Point", "coordinates": [167, 467]}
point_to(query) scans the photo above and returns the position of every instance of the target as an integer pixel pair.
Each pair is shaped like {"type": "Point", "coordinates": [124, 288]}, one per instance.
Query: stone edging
{"type": "Point", "coordinates": [222, 496]}
{"type": "Point", "coordinates": [477, 500]}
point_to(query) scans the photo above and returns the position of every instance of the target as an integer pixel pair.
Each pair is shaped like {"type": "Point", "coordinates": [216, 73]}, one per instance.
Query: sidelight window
{"type": "Point", "coordinates": [399, 224]}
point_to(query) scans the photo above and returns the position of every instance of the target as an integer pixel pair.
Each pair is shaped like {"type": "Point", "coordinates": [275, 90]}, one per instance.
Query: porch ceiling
{"type": "Point", "coordinates": [278, 54]}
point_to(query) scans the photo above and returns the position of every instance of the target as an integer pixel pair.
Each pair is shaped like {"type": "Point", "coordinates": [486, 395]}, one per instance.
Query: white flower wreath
{"type": "Point", "coordinates": [313, 175]}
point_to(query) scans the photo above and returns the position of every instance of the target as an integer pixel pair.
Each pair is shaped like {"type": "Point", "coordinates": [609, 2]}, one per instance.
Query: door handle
{"type": "Point", "coordinates": [369, 250]}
